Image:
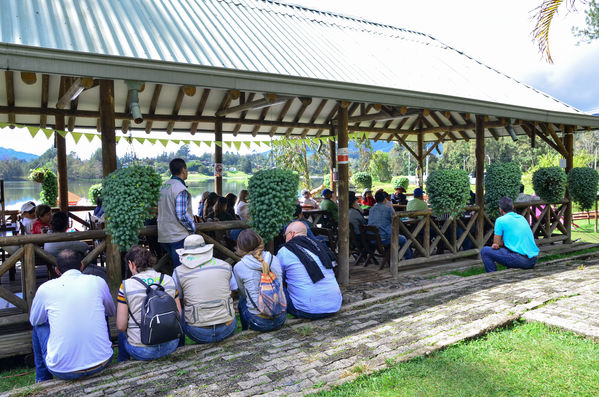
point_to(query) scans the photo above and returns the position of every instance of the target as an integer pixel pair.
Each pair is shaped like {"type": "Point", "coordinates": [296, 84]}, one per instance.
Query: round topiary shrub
{"type": "Point", "coordinates": [402, 181]}
{"type": "Point", "coordinates": [273, 197]}
{"type": "Point", "coordinates": [129, 196]}
{"type": "Point", "coordinates": [549, 184]}
{"type": "Point", "coordinates": [502, 180]}
{"type": "Point", "coordinates": [448, 191]}
{"type": "Point", "coordinates": [95, 192]}
{"type": "Point", "coordinates": [362, 179]}
{"type": "Point", "coordinates": [47, 178]}
{"type": "Point", "coordinates": [582, 185]}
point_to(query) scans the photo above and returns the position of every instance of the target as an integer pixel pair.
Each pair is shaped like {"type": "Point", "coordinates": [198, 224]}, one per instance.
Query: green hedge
{"type": "Point", "coordinates": [448, 191]}
{"type": "Point", "coordinates": [273, 197]}
{"type": "Point", "coordinates": [402, 181]}
{"type": "Point", "coordinates": [502, 179]}
{"type": "Point", "coordinates": [94, 192]}
{"type": "Point", "coordinates": [582, 185]}
{"type": "Point", "coordinates": [129, 196]}
{"type": "Point", "coordinates": [362, 179]}
{"type": "Point", "coordinates": [550, 184]}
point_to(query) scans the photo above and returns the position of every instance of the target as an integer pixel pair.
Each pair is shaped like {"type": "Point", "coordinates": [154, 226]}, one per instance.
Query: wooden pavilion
{"type": "Point", "coordinates": [259, 68]}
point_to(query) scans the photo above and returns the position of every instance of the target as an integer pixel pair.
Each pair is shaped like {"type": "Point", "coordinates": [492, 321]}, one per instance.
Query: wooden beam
{"type": "Point", "coordinates": [268, 100]}
{"type": "Point", "coordinates": [562, 148]}
{"type": "Point", "coordinates": [282, 115]}
{"type": "Point", "coordinates": [244, 113]}
{"type": "Point", "coordinates": [408, 148]}
{"type": "Point", "coordinates": [343, 197]}
{"type": "Point", "coordinates": [314, 116]}
{"type": "Point", "coordinates": [200, 109]}
{"type": "Point", "coordinates": [10, 95]}
{"type": "Point", "coordinates": [44, 103]}
{"type": "Point", "coordinates": [61, 153]}
{"type": "Point", "coordinates": [176, 108]}
{"type": "Point", "coordinates": [480, 171]}
{"type": "Point", "coordinates": [440, 140]}
{"type": "Point", "coordinates": [257, 126]}
{"type": "Point", "coordinates": [543, 137]}
{"type": "Point", "coordinates": [153, 104]}
{"type": "Point", "coordinates": [305, 103]}
{"type": "Point", "coordinates": [437, 119]}
{"type": "Point", "coordinates": [494, 133]}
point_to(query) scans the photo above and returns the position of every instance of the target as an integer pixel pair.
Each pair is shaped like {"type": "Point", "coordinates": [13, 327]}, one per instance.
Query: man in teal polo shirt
{"type": "Point", "coordinates": [513, 243]}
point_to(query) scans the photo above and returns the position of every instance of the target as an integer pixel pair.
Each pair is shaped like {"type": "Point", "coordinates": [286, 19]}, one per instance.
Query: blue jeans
{"type": "Point", "coordinates": [302, 314]}
{"type": "Point", "coordinates": [171, 249]}
{"type": "Point", "coordinates": [257, 323]}
{"type": "Point", "coordinates": [210, 334]}
{"type": "Point", "coordinates": [144, 353]}
{"type": "Point", "coordinates": [505, 257]}
{"type": "Point", "coordinates": [41, 333]}
{"type": "Point", "coordinates": [402, 241]}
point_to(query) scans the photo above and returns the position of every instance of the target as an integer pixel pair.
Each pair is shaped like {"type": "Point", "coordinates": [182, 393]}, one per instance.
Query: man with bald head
{"type": "Point", "coordinates": [312, 291]}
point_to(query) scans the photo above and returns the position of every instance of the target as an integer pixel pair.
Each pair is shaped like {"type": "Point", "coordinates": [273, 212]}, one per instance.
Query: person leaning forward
{"type": "Point", "coordinates": [68, 314]}
{"type": "Point", "coordinates": [175, 215]}
{"type": "Point", "coordinates": [513, 243]}
{"type": "Point", "coordinates": [312, 291]}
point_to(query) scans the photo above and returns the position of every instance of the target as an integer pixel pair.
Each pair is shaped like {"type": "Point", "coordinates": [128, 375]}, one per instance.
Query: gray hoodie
{"type": "Point", "coordinates": [248, 272]}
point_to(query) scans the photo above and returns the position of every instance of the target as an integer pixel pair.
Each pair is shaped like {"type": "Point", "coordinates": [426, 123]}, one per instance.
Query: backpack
{"type": "Point", "coordinates": [271, 298]}
{"type": "Point", "coordinates": [160, 320]}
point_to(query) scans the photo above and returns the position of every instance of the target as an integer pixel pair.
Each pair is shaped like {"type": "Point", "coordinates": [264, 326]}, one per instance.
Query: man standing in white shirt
{"type": "Point", "coordinates": [68, 314]}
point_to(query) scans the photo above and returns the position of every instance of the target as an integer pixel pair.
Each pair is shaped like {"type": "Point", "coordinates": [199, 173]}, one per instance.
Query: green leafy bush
{"type": "Point", "coordinates": [94, 192]}
{"type": "Point", "coordinates": [129, 196]}
{"type": "Point", "coordinates": [326, 181]}
{"type": "Point", "coordinates": [402, 181]}
{"type": "Point", "coordinates": [448, 191]}
{"type": "Point", "coordinates": [582, 184]}
{"type": "Point", "coordinates": [47, 178]}
{"type": "Point", "coordinates": [362, 179]}
{"type": "Point", "coordinates": [273, 197]}
{"type": "Point", "coordinates": [502, 180]}
{"type": "Point", "coordinates": [379, 166]}
{"type": "Point", "coordinates": [549, 184]}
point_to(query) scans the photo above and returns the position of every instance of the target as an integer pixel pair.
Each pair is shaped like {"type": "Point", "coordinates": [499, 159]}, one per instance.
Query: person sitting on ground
{"type": "Point", "coordinates": [60, 224]}
{"type": "Point", "coordinates": [242, 210]}
{"type": "Point", "coordinates": [231, 200]}
{"type": "Point", "coordinates": [43, 214]}
{"type": "Point", "coordinates": [203, 198]}
{"type": "Point", "coordinates": [381, 216]}
{"type": "Point", "coordinates": [417, 203]}
{"type": "Point", "coordinates": [328, 205]}
{"type": "Point", "coordinates": [130, 300]}
{"type": "Point", "coordinates": [513, 243]}
{"type": "Point", "coordinates": [367, 199]}
{"type": "Point", "coordinates": [525, 198]}
{"type": "Point", "coordinates": [68, 314]}
{"type": "Point", "coordinates": [209, 206]}
{"type": "Point", "coordinates": [248, 272]}
{"type": "Point", "coordinates": [28, 216]}
{"type": "Point", "coordinates": [399, 196]}
{"type": "Point", "coordinates": [204, 284]}
{"type": "Point", "coordinates": [306, 201]}
{"type": "Point", "coordinates": [312, 291]}
{"type": "Point", "coordinates": [355, 214]}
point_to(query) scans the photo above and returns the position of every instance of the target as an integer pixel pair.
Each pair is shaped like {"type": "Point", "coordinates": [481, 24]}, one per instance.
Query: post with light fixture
{"type": "Point", "coordinates": [107, 126]}
{"type": "Point", "coordinates": [510, 129]}
{"type": "Point", "coordinates": [569, 144]}
{"type": "Point", "coordinates": [134, 87]}
{"type": "Point", "coordinates": [343, 193]}
{"type": "Point", "coordinates": [480, 172]}
{"type": "Point", "coordinates": [61, 152]}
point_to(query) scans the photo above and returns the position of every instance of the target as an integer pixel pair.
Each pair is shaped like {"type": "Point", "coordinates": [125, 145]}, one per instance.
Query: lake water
{"type": "Point", "coordinates": [18, 192]}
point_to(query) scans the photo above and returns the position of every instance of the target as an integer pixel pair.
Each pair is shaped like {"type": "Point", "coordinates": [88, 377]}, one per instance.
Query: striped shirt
{"type": "Point", "coordinates": [181, 211]}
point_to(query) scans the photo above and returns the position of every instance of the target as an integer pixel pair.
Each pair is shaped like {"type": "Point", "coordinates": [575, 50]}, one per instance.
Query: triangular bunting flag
{"type": "Point", "coordinates": [207, 143]}
{"type": "Point", "coordinates": [62, 133]}
{"type": "Point", "coordinates": [140, 140]}
{"type": "Point", "coordinates": [186, 141]}
{"type": "Point", "coordinates": [247, 144]}
{"type": "Point", "coordinates": [237, 145]}
{"type": "Point", "coordinates": [76, 136]}
{"type": "Point", "coordinates": [197, 143]}
{"type": "Point", "coordinates": [218, 143]}
{"type": "Point", "coordinates": [228, 144]}
{"type": "Point", "coordinates": [163, 141]}
{"type": "Point", "coordinates": [118, 138]}
{"type": "Point", "coordinates": [175, 141]}
{"type": "Point", "coordinates": [151, 140]}
{"type": "Point", "coordinates": [48, 132]}
{"type": "Point", "coordinates": [3, 125]}
{"type": "Point", "coordinates": [90, 137]}
{"type": "Point", "coordinates": [33, 131]}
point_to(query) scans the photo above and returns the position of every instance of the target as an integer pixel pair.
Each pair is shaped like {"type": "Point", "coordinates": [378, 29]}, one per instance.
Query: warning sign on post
{"type": "Point", "coordinates": [218, 169]}
{"type": "Point", "coordinates": [342, 155]}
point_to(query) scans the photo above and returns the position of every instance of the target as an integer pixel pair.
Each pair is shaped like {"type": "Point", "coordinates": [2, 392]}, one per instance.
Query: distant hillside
{"type": "Point", "coordinates": [7, 154]}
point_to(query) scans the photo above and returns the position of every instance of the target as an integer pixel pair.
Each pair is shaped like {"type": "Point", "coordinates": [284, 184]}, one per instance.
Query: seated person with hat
{"type": "Point", "coordinates": [367, 199]}
{"type": "Point", "coordinates": [328, 205]}
{"type": "Point", "coordinates": [306, 201]}
{"type": "Point", "coordinates": [204, 284]}
{"type": "Point", "coordinates": [417, 203]}
{"type": "Point", "coordinates": [28, 215]}
{"type": "Point", "coordinates": [399, 196]}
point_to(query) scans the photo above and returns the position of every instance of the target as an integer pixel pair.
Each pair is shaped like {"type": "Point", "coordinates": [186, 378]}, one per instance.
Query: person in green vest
{"type": "Point", "coordinates": [329, 205]}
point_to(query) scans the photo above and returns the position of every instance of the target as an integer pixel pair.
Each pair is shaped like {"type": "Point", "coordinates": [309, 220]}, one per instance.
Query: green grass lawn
{"type": "Point", "coordinates": [585, 231]}
{"type": "Point", "coordinates": [528, 359]}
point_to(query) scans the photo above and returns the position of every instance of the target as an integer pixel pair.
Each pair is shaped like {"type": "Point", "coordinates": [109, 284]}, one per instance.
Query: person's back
{"type": "Point", "coordinates": [59, 224]}
{"type": "Point", "coordinates": [73, 307]}
{"type": "Point", "coordinates": [381, 216]}
{"type": "Point", "coordinates": [517, 235]}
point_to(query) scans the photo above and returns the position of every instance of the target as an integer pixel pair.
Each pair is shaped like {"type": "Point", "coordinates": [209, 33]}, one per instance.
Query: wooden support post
{"type": "Point", "coordinates": [30, 285]}
{"type": "Point", "coordinates": [333, 160]}
{"type": "Point", "coordinates": [394, 246]}
{"type": "Point", "coordinates": [569, 144]}
{"type": "Point", "coordinates": [218, 157]}
{"type": "Point", "coordinates": [343, 194]}
{"type": "Point", "coordinates": [480, 172]}
{"type": "Point", "coordinates": [61, 155]}
{"type": "Point", "coordinates": [113, 255]}
{"type": "Point", "coordinates": [420, 158]}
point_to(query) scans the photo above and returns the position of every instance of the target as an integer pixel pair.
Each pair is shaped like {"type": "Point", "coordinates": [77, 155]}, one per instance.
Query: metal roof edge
{"type": "Point", "coordinates": [52, 61]}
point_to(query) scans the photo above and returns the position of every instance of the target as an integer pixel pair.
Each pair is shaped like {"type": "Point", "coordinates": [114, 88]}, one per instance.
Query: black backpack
{"type": "Point", "coordinates": [160, 320]}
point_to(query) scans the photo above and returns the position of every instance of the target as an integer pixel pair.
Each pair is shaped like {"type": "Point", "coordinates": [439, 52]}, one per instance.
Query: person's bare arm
{"type": "Point", "coordinates": [497, 242]}
{"type": "Point", "coordinates": [122, 316]}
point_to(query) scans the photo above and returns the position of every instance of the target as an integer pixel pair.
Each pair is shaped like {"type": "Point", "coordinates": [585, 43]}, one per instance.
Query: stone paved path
{"type": "Point", "coordinates": [305, 357]}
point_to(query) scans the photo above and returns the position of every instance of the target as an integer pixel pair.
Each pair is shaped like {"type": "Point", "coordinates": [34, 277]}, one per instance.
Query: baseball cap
{"type": "Point", "coordinates": [28, 207]}
{"type": "Point", "coordinates": [326, 192]}
{"type": "Point", "coordinates": [418, 192]}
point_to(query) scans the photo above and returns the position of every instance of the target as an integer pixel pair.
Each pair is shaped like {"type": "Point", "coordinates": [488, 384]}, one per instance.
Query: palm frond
{"type": "Point", "coordinates": [543, 16]}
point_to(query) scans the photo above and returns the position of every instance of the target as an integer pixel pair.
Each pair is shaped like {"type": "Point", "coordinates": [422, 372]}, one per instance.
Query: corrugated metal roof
{"type": "Point", "coordinates": [266, 37]}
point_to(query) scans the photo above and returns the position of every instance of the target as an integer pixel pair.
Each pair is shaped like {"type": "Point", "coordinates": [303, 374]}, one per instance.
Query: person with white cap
{"type": "Point", "coordinates": [306, 201]}
{"type": "Point", "coordinates": [204, 284]}
{"type": "Point", "coordinates": [28, 215]}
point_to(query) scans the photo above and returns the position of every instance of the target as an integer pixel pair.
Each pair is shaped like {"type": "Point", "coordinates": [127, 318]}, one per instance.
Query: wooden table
{"type": "Point", "coordinates": [314, 215]}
